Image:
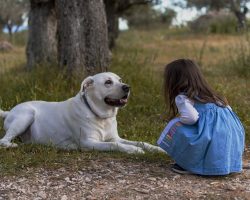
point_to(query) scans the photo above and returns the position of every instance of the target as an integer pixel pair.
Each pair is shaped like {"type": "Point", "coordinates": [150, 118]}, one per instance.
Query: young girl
{"type": "Point", "coordinates": [207, 138]}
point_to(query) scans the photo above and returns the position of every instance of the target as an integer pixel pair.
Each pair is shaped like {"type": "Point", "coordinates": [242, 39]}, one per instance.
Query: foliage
{"type": "Point", "coordinates": [167, 16]}
{"type": "Point", "coordinates": [145, 16]}
{"type": "Point", "coordinates": [12, 13]}
{"type": "Point", "coordinates": [209, 4]}
{"type": "Point", "coordinates": [237, 7]}
{"type": "Point", "coordinates": [215, 4]}
{"type": "Point", "coordinates": [214, 22]}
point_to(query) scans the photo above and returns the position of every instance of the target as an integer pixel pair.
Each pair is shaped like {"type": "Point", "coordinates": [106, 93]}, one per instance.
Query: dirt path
{"type": "Point", "coordinates": [121, 179]}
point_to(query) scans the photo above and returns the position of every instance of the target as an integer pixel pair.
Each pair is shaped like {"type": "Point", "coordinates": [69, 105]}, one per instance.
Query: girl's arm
{"type": "Point", "coordinates": [188, 114]}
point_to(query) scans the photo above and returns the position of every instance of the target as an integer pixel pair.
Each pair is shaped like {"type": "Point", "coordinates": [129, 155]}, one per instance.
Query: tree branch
{"type": "Point", "coordinates": [126, 4]}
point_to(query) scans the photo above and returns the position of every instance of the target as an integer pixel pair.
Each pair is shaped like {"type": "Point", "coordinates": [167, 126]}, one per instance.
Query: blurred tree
{"type": "Point", "coordinates": [42, 42]}
{"type": "Point", "coordinates": [115, 9]}
{"type": "Point", "coordinates": [145, 16]}
{"type": "Point", "coordinates": [78, 32]}
{"type": "Point", "coordinates": [215, 22]}
{"type": "Point", "coordinates": [167, 16]}
{"type": "Point", "coordinates": [70, 33]}
{"type": "Point", "coordinates": [209, 4]}
{"type": "Point", "coordinates": [82, 36]}
{"type": "Point", "coordinates": [112, 21]}
{"type": "Point", "coordinates": [238, 7]}
{"type": "Point", "coordinates": [240, 10]}
{"type": "Point", "coordinates": [12, 14]}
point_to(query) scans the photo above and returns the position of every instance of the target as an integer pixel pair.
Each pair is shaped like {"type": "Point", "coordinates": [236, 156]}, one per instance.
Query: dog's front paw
{"type": "Point", "coordinates": [139, 151]}
{"type": "Point", "coordinates": [135, 150]}
{"type": "Point", "coordinates": [157, 149]}
{"type": "Point", "coordinates": [7, 144]}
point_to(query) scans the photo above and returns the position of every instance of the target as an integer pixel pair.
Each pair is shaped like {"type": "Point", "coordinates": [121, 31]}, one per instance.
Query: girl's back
{"type": "Point", "coordinates": [212, 146]}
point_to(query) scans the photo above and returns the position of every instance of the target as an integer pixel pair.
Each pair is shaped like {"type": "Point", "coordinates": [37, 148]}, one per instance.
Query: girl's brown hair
{"type": "Point", "coordinates": [184, 76]}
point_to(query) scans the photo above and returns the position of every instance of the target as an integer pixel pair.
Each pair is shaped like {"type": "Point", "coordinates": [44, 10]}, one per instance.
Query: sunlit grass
{"type": "Point", "coordinates": [13, 59]}
{"type": "Point", "coordinates": [224, 62]}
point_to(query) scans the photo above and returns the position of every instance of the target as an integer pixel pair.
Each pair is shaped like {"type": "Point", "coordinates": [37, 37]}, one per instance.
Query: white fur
{"type": "Point", "coordinates": [3, 114]}
{"type": "Point", "coordinates": [71, 124]}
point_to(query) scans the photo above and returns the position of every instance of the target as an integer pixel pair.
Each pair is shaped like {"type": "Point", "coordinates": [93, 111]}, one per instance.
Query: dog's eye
{"type": "Point", "coordinates": [108, 82]}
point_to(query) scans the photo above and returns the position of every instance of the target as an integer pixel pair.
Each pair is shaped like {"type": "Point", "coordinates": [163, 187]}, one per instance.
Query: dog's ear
{"type": "Point", "coordinates": [87, 82]}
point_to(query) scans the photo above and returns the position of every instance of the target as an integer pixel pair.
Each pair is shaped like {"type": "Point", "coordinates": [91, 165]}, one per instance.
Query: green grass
{"type": "Point", "coordinates": [47, 83]}
{"type": "Point", "coordinates": [28, 156]}
{"type": "Point", "coordinates": [139, 59]}
{"type": "Point", "coordinates": [18, 39]}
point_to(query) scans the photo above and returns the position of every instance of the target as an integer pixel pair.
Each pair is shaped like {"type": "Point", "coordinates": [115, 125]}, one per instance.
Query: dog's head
{"type": "Point", "coordinates": [105, 92]}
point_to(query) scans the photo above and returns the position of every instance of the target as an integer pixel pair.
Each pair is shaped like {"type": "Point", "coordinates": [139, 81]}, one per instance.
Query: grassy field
{"type": "Point", "coordinates": [139, 59]}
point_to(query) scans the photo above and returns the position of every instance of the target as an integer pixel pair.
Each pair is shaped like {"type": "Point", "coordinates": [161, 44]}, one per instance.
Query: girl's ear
{"type": "Point", "coordinates": [87, 82]}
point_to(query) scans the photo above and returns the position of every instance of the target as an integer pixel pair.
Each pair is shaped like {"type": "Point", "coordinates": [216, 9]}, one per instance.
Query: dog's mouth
{"type": "Point", "coordinates": [116, 102]}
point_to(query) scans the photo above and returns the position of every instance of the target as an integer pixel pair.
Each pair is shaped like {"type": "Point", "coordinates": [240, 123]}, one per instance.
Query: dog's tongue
{"type": "Point", "coordinates": [116, 102]}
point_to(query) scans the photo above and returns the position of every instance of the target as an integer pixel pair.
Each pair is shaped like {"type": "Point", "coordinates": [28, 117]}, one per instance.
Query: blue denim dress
{"type": "Point", "coordinates": [212, 146]}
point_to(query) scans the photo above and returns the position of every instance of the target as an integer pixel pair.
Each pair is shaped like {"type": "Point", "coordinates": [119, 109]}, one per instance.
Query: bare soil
{"type": "Point", "coordinates": [108, 178]}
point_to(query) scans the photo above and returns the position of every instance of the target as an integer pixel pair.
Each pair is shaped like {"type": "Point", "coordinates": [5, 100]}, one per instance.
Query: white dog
{"type": "Point", "coordinates": [86, 121]}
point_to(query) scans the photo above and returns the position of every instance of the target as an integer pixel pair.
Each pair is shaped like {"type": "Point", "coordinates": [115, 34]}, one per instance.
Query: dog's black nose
{"type": "Point", "coordinates": [126, 88]}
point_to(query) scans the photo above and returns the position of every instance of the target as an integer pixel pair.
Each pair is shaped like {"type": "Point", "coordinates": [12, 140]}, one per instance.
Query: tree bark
{"type": "Point", "coordinates": [114, 9]}
{"type": "Point", "coordinates": [82, 36]}
{"type": "Point", "coordinates": [239, 14]}
{"type": "Point", "coordinates": [42, 43]}
{"type": "Point", "coordinates": [112, 20]}
{"type": "Point", "coordinates": [241, 18]}
{"type": "Point", "coordinates": [9, 27]}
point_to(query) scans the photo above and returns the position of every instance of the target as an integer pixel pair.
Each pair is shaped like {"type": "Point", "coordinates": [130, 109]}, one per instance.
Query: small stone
{"type": "Point", "coordinates": [122, 181]}
{"type": "Point", "coordinates": [176, 177]}
{"type": "Point", "coordinates": [42, 194]}
{"type": "Point", "coordinates": [67, 179]}
{"type": "Point", "coordinates": [64, 197]}
{"type": "Point", "coordinates": [214, 183]}
{"type": "Point", "coordinates": [87, 179]}
{"type": "Point", "coordinates": [230, 187]}
{"type": "Point", "coordinates": [152, 179]}
{"type": "Point", "coordinates": [144, 191]}
{"type": "Point", "coordinates": [89, 197]}
{"type": "Point", "coordinates": [166, 186]}
{"type": "Point", "coordinates": [80, 172]}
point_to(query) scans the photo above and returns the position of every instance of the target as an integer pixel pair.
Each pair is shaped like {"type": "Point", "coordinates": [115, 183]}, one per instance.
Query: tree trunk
{"type": "Point", "coordinates": [17, 28]}
{"type": "Point", "coordinates": [1, 28]}
{"type": "Point", "coordinates": [240, 15]}
{"type": "Point", "coordinates": [112, 20]}
{"type": "Point", "coordinates": [82, 36]}
{"type": "Point", "coordinates": [9, 27]}
{"type": "Point", "coordinates": [241, 18]}
{"type": "Point", "coordinates": [42, 43]}
{"type": "Point", "coordinates": [114, 9]}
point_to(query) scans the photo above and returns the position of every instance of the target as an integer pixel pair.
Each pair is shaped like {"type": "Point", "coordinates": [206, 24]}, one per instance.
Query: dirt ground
{"type": "Point", "coordinates": [122, 179]}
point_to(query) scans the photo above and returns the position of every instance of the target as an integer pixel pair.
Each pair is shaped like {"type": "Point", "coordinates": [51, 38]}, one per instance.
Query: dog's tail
{"type": "Point", "coordinates": [3, 114]}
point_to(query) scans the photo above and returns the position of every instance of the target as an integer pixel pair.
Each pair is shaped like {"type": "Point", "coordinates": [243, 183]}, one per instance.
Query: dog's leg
{"type": "Point", "coordinates": [110, 146]}
{"type": "Point", "coordinates": [143, 145]}
{"type": "Point", "coordinates": [19, 124]}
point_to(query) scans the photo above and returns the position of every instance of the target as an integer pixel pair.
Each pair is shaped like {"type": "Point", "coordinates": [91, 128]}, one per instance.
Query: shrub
{"type": "Point", "coordinates": [215, 22]}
